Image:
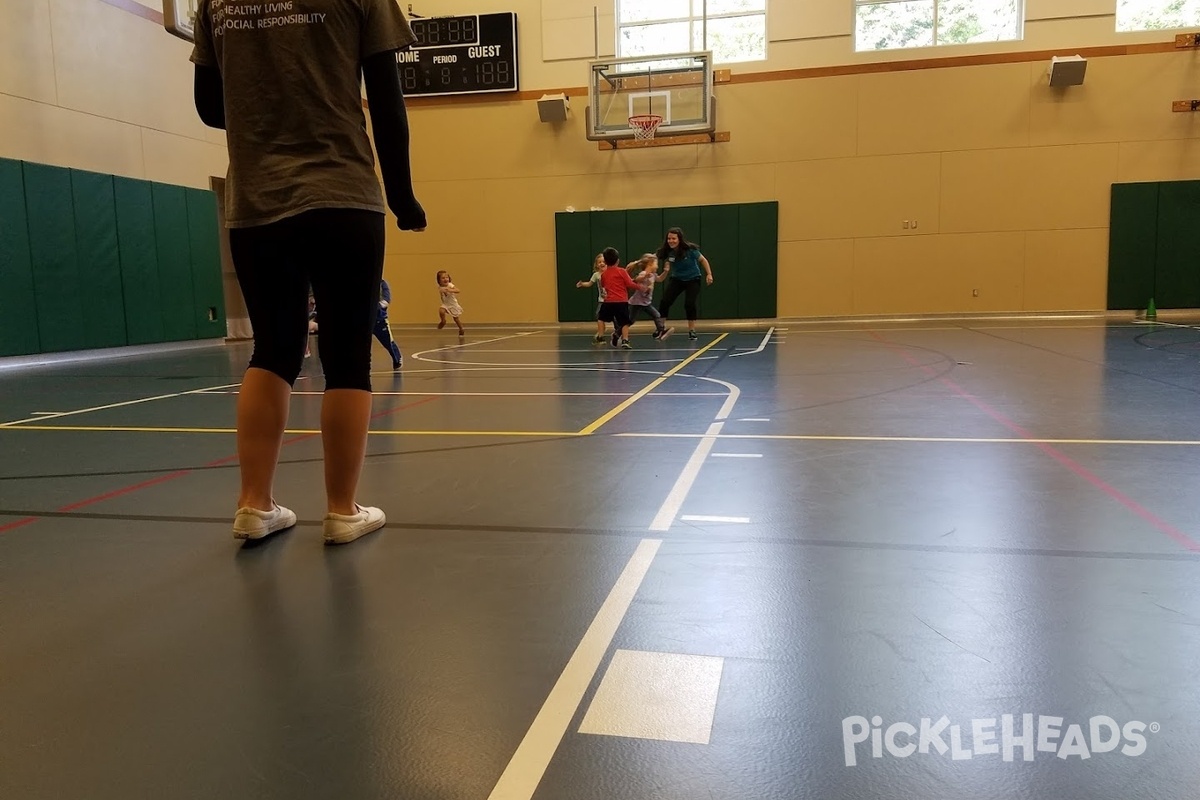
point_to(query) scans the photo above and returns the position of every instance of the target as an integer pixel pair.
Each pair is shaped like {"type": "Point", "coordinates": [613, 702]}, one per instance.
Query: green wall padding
{"type": "Point", "coordinates": [1152, 245]}
{"type": "Point", "coordinates": [719, 225]}
{"type": "Point", "coordinates": [741, 242]}
{"type": "Point", "coordinates": [644, 232]}
{"type": "Point", "coordinates": [89, 261]}
{"type": "Point", "coordinates": [207, 284]}
{"type": "Point", "coordinates": [758, 274]}
{"type": "Point", "coordinates": [573, 254]}
{"type": "Point", "coordinates": [174, 262]}
{"type": "Point", "coordinates": [1132, 242]}
{"type": "Point", "coordinates": [139, 261]}
{"type": "Point", "coordinates": [608, 230]}
{"type": "Point", "coordinates": [1177, 254]}
{"type": "Point", "coordinates": [18, 314]}
{"type": "Point", "coordinates": [100, 273]}
{"type": "Point", "coordinates": [51, 220]}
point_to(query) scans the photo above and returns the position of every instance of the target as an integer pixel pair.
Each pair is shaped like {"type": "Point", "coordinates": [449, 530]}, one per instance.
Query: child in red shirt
{"type": "Point", "coordinates": [615, 309]}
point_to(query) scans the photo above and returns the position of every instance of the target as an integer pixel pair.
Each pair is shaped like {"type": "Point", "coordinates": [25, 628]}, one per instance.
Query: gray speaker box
{"type": "Point", "coordinates": [553, 107]}
{"type": "Point", "coordinates": [1067, 70]}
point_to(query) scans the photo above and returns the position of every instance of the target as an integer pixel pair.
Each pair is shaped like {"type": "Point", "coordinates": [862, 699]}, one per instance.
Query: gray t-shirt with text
{"type": "Point", "coordinates": [294, 117]}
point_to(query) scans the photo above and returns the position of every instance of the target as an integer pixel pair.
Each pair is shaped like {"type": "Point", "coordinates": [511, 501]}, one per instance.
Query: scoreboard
{"type": "Point", "coordinates": [470, 54]}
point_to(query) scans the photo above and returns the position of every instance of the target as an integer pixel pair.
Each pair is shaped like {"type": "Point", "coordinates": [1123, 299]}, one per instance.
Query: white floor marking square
{"type": "Point", "coordinates": [670, 697]}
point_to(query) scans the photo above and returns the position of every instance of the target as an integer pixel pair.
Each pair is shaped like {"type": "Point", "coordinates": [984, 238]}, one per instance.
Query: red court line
{"type": "Point", "coordinates": [170, 476]}
{"type": "Point", "coordinates": [1074, 466]}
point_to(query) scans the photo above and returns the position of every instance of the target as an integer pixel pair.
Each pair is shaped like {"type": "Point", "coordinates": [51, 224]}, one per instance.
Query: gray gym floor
{"type": "Point", "coordinates": [691, 570]}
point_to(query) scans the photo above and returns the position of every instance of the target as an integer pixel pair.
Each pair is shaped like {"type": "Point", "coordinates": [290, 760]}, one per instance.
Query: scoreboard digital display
{"type": "Point", "coordinates": [472, 54]}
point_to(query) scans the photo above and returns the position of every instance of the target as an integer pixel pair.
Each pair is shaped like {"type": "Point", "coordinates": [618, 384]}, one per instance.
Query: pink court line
{"type": "Point", "coordinates": [1074, 466]}
{"type": "Point", "coordinates": [170, 476]}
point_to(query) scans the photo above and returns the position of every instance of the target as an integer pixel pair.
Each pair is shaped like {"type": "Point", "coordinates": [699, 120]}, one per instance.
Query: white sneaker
{"type": "Point", "coordinates": [342, 528]}
{"type": "Point", "coordinates": [250, 523]}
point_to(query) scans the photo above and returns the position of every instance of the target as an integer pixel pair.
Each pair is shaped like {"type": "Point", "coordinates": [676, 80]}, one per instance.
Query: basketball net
{"type": "Point", "coordinates": [644, 125]}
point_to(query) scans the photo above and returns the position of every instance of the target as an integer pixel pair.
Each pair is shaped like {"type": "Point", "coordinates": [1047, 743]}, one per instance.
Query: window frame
{"type": "Point", "coordinates": [1123, 31]}
{"type": "Point", "coordinates": [855, 5]}
{"type": "Point", "coordinates": [696, 19]}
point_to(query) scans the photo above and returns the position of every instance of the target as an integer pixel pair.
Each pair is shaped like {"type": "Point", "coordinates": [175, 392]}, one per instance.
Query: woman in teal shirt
{"type": "Point", "coordinates": [681, 264]}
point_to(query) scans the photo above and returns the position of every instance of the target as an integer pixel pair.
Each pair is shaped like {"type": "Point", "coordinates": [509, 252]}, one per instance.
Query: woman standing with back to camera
{"type": "Point", "coordinates": [682, 262]}
{"type": "Point", "coordinates": [303, 205]}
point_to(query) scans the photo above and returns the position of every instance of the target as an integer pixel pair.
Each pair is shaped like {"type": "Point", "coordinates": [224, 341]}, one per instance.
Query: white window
{"type": "Point", "coordinates": [893, 24]}
{"type": "Point", "coordinates": [734, 30]}
{"type": "Point", "coordinates": [1152, 15]}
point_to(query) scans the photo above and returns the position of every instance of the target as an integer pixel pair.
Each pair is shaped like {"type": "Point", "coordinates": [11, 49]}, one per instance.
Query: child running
{"type": "Point", "coordinates": [597, 269]}
{"type": "Point", "coordinates": [615, 308]}
{"type": "Point", "coordinates": [449, 296]}
{"type": "Point", "coordinates": [383, 327]}
{"type": "Point", "coordinates": [642, 301]}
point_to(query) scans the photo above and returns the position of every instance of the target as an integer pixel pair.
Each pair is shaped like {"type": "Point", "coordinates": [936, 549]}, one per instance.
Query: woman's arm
{"type": "Point", "coordinates": [707, 269]}
{"type": "Point", "coordinates": [389, 120]}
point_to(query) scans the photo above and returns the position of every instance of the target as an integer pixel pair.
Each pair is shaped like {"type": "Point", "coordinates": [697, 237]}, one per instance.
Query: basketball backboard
{"type": "Point", "coordinates": [679, 88]}
{"type": "Point", "coordinates": [179, 18]}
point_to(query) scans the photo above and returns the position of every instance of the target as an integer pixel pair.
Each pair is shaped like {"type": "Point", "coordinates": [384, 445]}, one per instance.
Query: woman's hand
{"type": "Point", "coordinates": [710, 279]}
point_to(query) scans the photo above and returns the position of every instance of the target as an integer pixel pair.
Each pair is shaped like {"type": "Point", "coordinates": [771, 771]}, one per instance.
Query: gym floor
{"type": "Point", "coordinates": [922, 559]}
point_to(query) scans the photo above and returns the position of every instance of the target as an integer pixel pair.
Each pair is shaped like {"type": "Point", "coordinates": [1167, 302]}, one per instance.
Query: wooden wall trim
{"type": "Point", "coordinates": [1025, 56]}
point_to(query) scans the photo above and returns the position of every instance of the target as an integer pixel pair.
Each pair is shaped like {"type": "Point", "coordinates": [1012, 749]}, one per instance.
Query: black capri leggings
{"type": "Point", "coordinates": [675, 287]}
{"type": "Point", "coordinates": [339, 252]}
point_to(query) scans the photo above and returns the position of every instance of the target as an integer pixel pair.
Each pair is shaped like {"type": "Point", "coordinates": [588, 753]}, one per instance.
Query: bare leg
{"type": "Point", "coordinates": [262, 411]}
{"type": "Point", "coordinates": [441, 318]}
{"type": "Point", "coordinates": [345, 418]}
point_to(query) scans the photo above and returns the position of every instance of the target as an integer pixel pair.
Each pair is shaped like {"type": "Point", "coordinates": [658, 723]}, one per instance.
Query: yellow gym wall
{"type": "Point", "coordinates": [1007, 179]}
{"type": "Point", "coordinates": [97, 85]}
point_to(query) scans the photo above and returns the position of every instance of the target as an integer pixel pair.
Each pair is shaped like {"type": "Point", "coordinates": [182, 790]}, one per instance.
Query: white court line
{"type": "Point", "coordinates": [43, 415]}
{"type": "Point", "coordinates": [1159, 322]}
{"type": "Point", "coordinates": [761, 345]}
{"type": "Point", "coordinates": [754, 419]}
{"type": "Point", "coordinates": [703, 518]}
{"type": "Point", "coordinates": [524, 772]}
{"type": "Point", "coordinates": [468, 344]}
{"type": "Point", "coordinates": [737, 455]}
{"type": "Point", "coordinates": [670, 507]}
{"type": "Point", "coordinates": [528, 765]}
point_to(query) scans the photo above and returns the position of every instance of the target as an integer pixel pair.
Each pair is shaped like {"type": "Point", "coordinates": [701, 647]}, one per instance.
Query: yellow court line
{"type": "Point", "coordinates": [290, 432]}
{"type": "Point", "coordinates": [934, 439]}
{"type": "Point", "coordinates": [590, 429]}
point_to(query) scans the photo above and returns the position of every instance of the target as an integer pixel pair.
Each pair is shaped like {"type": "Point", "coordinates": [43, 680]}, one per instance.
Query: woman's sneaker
{"type": "Point", "coordinates": [343, 528]}
{"type": "Point", "coordinates": [251, 523]}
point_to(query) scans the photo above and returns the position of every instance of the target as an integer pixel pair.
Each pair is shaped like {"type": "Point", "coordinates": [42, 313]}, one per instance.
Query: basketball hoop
{"type": "Point", "coordinates": [644, 125]}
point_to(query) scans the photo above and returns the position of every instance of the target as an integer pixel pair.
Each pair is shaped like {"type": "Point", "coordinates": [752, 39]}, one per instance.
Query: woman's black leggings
{"type": "Point", "coordinates": [339, 252]}
{"type": "Point", "coordinates": [675, 287]}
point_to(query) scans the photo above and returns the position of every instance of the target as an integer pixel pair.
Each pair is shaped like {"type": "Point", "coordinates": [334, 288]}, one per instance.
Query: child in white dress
{"type": "Point", "coordinates": [449, 297]}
